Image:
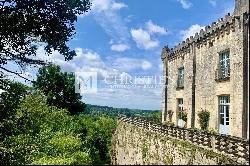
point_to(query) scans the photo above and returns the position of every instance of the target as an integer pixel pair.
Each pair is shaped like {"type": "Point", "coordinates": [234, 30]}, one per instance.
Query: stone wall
{"type": "Point", "coordinates": [208, 89]}
{"type": "Point", "coordinates": [137, 141]}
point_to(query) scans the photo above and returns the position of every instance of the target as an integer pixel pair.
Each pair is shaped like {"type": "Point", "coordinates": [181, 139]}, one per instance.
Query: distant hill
{"type": "Point", "coordinates": [97, 110]}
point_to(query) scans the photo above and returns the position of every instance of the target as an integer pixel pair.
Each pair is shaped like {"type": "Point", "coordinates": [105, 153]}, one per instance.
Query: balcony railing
{"type": "Point", "coordinates": [222, 74]}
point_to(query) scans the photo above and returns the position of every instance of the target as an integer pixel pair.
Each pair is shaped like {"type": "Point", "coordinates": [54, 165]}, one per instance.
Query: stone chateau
{"type": "Point", "coordinates": [210, 71]}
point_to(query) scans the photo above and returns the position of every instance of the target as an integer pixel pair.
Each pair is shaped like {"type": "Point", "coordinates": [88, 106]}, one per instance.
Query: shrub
{"type": "Point", "coordinates": [183, 115]}
{"type": "Point", "coordinates": [204, 116]}
{"type": "Point", "coordinates": [168, 123]}
{"type": "Point", "coordinates": [212, 131]}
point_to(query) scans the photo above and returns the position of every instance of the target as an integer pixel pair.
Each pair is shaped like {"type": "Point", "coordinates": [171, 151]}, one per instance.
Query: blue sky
{"type": "Point", "coordinates": [126, 37]}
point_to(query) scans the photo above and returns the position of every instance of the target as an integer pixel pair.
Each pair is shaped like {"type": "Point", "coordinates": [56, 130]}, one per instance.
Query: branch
{"type": "Point", "coordinates": [18, 74]}
{"type": "Point", "coordinates": [21, 57]}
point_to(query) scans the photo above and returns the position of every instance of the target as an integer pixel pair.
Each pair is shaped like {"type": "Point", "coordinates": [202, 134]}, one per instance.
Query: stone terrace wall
{"type": "Point", "coordinates": [137, 141]}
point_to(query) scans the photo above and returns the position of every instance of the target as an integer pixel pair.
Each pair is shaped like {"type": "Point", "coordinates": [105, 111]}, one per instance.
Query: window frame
{"type": "Point", "coordinates": [223, 70]}
{"type": "Point", "coordinates": [180, 108]}
{"type": "Point", "coordinates": [180, 77]}
{"type": "Point", "coordinates": [221, 106]}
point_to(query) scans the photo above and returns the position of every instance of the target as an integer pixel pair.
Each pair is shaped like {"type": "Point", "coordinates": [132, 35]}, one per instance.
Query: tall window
{"type": "Point", "coordinates": [181, 116]}
{"type": "Point", "coordinates": [224, 66]}
{"type": "Point", "coordinates": [224, 103]}
{"type": "Point", "coordinates": [224, 109]}
{"type": "Point", "coordinates": [180, 80]}
{"type": "Point", "coordinates": [180, 105]}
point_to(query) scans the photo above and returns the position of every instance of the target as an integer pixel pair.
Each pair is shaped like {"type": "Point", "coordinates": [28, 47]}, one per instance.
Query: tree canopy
{"type": "Point", "coordinates": [59, 87]}
{"type": "Point", "coordinates": [26, 23]}
{"type": "Point", "coordinates": [9, 102]}
{"type": "Point", "coordinates": [46, 135]}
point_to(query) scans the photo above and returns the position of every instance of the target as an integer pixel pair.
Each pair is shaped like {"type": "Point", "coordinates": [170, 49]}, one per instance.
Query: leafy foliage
{"type": "Point", "coordinates": [169, 123]}
{"type": "Point", "coordinates": [204, 117]}
{"type": "Point", "coordinates": [48, 135]}
{"type": "Point", "coordinates": [59, 88]}
{"type": "Point", "coordinates": [97, 137]}
{"type": "Point", "coordinates": [25, 23]}
{"type": "Point", "coordinates": [182, 115]}
{"type": "Point", "coordinates": [10, 99]}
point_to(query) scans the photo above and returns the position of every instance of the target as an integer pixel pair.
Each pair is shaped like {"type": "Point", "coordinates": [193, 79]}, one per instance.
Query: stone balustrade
{"type": "Point", "coordinates": [234, 147]}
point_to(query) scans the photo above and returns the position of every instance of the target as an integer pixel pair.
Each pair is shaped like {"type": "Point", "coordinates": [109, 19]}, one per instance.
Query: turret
{"type": "Point", "coordinates": [241, 6]}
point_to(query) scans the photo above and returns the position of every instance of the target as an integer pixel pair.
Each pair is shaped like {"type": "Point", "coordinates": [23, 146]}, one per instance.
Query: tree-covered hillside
{"type": "Point", "coordinates": [154, 115]}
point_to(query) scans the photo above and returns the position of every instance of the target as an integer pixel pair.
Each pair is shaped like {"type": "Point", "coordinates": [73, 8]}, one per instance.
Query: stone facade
{"type": "Point", "coordinates": [204, 85]}
{"type": "Point", "coordinates": [140, 142]}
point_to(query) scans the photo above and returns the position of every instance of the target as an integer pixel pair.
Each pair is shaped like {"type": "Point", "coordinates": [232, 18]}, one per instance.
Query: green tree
{"type": "Point", "coordinates": [97, 134]}
{"type": "Point", "coordinates": [59, 87]}
{"type": "Point", "coordinates": [10, 99]}
{"type": "Point", "coordinates": [26, 23]}
{"type": "Point", "coordinates": [157, 116]}
{"type": "Point", "coordinates": [45, 135]}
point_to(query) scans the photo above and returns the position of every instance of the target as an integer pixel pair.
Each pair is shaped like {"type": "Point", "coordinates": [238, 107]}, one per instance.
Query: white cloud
{"type": "Point", "coordinates": [161, 66]}
{"type": "Point", "coordinates": [213, 2]}
{"type": "Point", "coordinates": [111, 41]}
{"type": "Point", "coordinates": [185, 4]}
{"type": "Point", "coordinates": [100, 5]}
{"type": "Point", "coordinates": [119, 47]}
{"type": "Point", "coordinates": [191, 31]}
{"type": "Point", "coordinates": [88, 60]}
{"type": "Point", "coordinates": [143, 39]}
{"type": "Point", "coordinates": [85, 61]}
{"type": "Point", "coordinates": [118, 6]}
{"type": "Point", "coordinates": [87, 55]}
{"type": "Point", "coordinates": [128, 18]}
{"type": "Point", "coordinates": [106, 15]}
{"type": "Point", "coordinates": [142, 98]}
{"type": "Point", "coordinates": [153, 28]}
{"type": "Point", "coordinates": [126, 64]}
{"type": "Point", "coordinates": [103, 5]}
{"type": "Point", "coordinates": [146, 65]}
